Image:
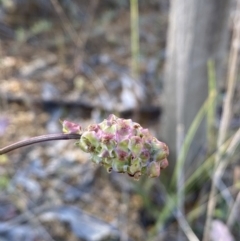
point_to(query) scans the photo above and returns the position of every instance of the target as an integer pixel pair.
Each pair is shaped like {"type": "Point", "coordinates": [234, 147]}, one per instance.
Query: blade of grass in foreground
{"type": "Point", "coordinates": [189, 137]}
{"type": "Point", "coordinates": [185, 227]}
{"type": "Point", "coordinates": [209, 108]}
{"type": "Point", "coordinates": [212, 92]}
{"type": "Point", "coordinates": [201, 172]}
{"type": "Point", "coordinates": [168, 209]}
{"type": "Point", "coordinates": [134, 37]}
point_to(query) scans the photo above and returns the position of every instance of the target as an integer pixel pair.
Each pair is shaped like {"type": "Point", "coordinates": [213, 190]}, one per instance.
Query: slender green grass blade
{"type": "Point", "coordinates": [212, 92]}
{"type": "Point", "coordinates": [134, 37]}
{"type": "Point", "coordinates": [189, 137]}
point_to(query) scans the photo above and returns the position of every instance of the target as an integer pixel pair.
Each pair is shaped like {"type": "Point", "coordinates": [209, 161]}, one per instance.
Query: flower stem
{"type": "Point", "coordinates": [38, 139]}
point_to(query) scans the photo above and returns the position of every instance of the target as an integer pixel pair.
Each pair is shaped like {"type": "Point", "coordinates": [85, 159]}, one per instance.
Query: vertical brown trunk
{"type": "Point", "coordinates": [197, 32]}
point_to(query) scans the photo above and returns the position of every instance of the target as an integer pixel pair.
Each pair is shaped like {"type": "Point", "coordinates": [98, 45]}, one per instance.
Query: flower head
{"type": "Point", "coordinates": [124, 146]}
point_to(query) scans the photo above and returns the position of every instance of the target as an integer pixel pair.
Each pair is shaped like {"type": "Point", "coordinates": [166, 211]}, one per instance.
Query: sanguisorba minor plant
{"type": "Point", "coordinates": [118, 144]}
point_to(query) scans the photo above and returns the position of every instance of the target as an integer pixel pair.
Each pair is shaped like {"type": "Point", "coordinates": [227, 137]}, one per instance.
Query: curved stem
{"type": "Point", "coordinates": [38, 139]}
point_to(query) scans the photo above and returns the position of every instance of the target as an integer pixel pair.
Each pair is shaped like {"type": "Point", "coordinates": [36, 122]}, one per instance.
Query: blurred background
{"type": "Point", "coordinates": [171, 66]}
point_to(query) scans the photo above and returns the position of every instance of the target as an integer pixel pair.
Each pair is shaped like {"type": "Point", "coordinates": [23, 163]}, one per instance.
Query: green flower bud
{"type": "Point", "coordinates": [160, 150]}
{"type": "Point", "coordinates": [153, 169]}
{"type": "Point", "coordinates": [123, 145]}
{"type": "Point", "coordinates": [121, 154]}
{"type": "Point", "coordinates": [137, 175]}
{"type": "Point", "coordinates": [144, 155]}
{"type": "Point", "coordinates": [164, 163]}
{"type": "Point", "coordinates": [71, 128]}
{"type": "Point", "coordinates": [124, 128]}
{"type": "Point", "coordinates": [89, 141]}
{"type": "Point", "coordinates": [96, 159]}
{"type": "Point", "coordinates": [119, 166]}
{"type": "Point", "coordinates": [105, 154]}
{"type": "Point", "coordinates": [94, 128]}
{"type": "Point", "coordinates": [135, 145]}
{"type": "Point", "coordinates": [108, 167]}
{"type": "Point", "coordinates": [144, 133]}
{"type": "Point", "coordinates": [135, 166]}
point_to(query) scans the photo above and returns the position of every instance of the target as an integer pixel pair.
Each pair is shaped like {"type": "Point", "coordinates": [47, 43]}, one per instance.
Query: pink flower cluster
{"type": "Point", "coordinates": [123, 146]}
